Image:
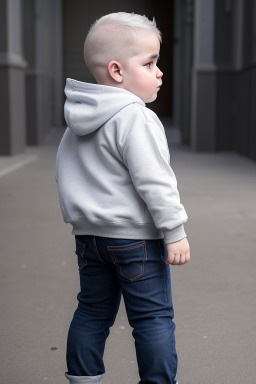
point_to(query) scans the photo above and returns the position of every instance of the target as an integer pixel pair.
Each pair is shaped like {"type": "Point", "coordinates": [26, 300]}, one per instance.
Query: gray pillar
{"type": "Point", "coordinates": [203, 113]}
{"type": "Point", "coordinates": [238, 26]}
{"type": "Point", "coordinates": [183, 32]}
{"type": "Point", "coordinates": [12, 85]}
{"type": "Point", "coordinates": [176, 63]}
{"type": "Point", "coordinates": [43, 47]}
{"type": "Point", "coordinates": [58, 65]}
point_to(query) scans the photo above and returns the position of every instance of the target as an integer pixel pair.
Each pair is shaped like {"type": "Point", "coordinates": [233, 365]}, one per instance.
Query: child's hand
{"type": "Point", "coordinates": [178, 253]}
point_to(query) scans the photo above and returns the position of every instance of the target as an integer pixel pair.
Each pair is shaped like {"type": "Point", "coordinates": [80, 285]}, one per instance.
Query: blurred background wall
{"type": "Point", "coordinates": [208, 57]}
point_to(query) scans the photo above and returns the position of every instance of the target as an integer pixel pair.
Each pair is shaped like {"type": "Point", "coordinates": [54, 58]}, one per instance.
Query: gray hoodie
{"type": "Point", "coordinates": [113, 167]}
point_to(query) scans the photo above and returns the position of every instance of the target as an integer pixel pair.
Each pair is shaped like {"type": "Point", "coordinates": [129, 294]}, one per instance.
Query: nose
{"type": "Point", "coordinates": [159, 73]}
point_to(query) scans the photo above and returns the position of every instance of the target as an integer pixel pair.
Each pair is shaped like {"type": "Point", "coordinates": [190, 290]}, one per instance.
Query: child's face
{"type": "Point", "coordinates": [141, 75]}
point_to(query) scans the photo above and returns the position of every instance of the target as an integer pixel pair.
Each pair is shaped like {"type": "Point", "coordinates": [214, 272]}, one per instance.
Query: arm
{"type": "Point", "coordinates": [145, 153]}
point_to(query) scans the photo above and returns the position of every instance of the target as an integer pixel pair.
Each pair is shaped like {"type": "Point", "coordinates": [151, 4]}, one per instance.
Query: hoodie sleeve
{"type": "Point", "coordinates": [146, 155]}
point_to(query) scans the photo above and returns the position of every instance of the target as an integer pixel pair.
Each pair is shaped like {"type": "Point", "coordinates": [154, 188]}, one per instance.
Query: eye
{"type": "Point", "coordinates": [149, 65]}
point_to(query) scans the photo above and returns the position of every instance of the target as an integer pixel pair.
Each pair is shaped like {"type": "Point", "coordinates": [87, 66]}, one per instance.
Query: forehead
{"type": "Point", "coordinates": [146, 42]}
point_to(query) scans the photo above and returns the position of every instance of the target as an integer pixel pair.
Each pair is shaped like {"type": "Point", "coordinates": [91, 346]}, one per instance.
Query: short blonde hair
{"type": "Point", "coordinates": [112, 37]}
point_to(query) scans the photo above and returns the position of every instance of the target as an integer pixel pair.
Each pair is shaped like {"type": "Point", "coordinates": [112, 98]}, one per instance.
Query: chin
{"type": "Point", "coordinates": [153, 98]}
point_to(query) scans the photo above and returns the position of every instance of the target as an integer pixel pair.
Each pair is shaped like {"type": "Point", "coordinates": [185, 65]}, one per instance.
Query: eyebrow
{"type": "Point", "coordinates": [154, 56]}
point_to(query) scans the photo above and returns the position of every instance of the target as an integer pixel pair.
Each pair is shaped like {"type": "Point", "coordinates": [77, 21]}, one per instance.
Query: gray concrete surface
{"type": "Point", "coordinates": [214, 295]}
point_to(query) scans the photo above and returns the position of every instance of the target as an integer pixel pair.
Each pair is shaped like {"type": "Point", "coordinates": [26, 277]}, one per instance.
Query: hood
{"type": "Point", "coordinates": [89, 106]}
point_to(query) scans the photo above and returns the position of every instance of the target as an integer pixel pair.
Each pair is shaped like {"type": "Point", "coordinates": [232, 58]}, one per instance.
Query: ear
{"type": "Point", "coordinates": [115, 71]}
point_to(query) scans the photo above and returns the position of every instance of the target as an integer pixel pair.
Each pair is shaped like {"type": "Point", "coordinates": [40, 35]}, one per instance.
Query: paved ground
{"type": "Point", "coordinates": [214, 295]}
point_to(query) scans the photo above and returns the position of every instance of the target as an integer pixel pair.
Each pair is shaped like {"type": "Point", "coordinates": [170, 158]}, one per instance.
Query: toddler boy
{"type": "Point", "coordinates": [117, 189]}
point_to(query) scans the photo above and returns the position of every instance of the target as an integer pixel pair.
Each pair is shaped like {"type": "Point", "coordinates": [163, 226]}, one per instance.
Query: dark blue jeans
{"type": "Point", "coordinates": [136, 269]}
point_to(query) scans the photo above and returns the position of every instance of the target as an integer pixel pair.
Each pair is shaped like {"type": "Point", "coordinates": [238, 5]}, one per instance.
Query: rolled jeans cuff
{"type": "Point", "coordinates": [84, 379]}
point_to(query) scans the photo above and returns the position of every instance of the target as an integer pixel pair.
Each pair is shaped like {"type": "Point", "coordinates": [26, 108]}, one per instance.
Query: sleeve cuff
{"type": "Point", "coordinates": [175, 234]}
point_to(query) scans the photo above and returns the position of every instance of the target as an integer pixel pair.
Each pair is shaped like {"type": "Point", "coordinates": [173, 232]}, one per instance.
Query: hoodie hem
{"type": "Point", "coordinates": [121, 230]}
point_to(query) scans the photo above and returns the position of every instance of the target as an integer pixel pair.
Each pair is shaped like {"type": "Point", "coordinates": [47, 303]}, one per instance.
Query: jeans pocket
{"type": "Point", "coordinates": [81, 255]}
{"type": "Point", "coordinates": [129, 259]}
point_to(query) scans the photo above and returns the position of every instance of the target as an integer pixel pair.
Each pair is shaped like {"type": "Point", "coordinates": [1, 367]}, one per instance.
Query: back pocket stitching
{"type": "Point", "coordinates": [83, 266]}
{"type": "Point", "coordinates": [111, 249]}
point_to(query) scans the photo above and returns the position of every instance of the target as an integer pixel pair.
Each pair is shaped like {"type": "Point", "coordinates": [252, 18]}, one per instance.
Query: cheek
{"type": "Point", "coordinates": [144, 81]}
{"type": "Point", "coordinates": [140, 82]}
{"type": "Point", "coordinates": [142, 85]}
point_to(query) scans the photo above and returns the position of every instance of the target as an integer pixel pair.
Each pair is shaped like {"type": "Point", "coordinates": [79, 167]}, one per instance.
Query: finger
{"type": "Point", "coordinates": [187, 257]}
{"type": "Point", "coordinates": [170, 258]}
{"type": "Point", "coordinates": [182, 259]}
{"type": "Point", "coordinates": [176, 260]}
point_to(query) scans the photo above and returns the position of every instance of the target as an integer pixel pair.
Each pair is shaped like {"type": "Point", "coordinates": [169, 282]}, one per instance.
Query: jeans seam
{"type": "Point", "coordinates": [162, 257]}
{"type": "Point", "coordinates": [160, 249]}
{"type": "Point", "coordinates": [97, 251]}
{"type": "Point", "coordinates": [84, 246]}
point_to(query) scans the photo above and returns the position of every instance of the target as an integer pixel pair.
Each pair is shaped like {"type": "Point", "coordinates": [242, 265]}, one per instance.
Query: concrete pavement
{"type": "Point", "coordinates": [214, 295]}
